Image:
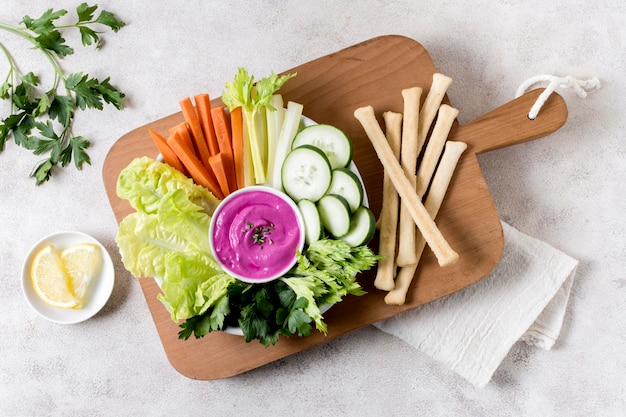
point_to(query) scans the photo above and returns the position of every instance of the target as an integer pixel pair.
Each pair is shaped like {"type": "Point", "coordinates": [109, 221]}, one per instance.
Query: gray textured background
{"type": "Point", "coordinates": [567, 189]}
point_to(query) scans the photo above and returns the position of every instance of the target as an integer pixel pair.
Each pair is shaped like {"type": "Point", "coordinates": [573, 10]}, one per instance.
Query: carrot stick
{"type": "Point", "coordinates": [222, 131]}
{"type": "Point", "coordinates": [217, 165]}
{"type": "Point", "coordinates": [169, 156]}
{"type": "Point", "coordinates": [183, 131]}
{"type": "Point", "coordinates": [203, 108]}
{"type": "Point", "coordinates": [236, 123]}
{"type": "Point", "coordinates": [193, 123]}
{"type": "Point", "coordinates": [198, 172]}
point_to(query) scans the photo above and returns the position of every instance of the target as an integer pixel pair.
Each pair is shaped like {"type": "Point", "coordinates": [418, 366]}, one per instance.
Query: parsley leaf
{"type": "Point", "coordinates": [43, 171]}
{"type": "Point", "coordinates": [290, 305]}
{"type": "Point", "coordinates": [85, 12]}
{"type": "Point", "coordinates": [109, 19]}
{"type": "Point", "coordinates": [52, 112]}
{"type": "Point", "coordinates": [61, 109]}
{"type": "Point", "coordinates": [88, 35]}
{"type": "Point", "coordinates": [76, 150]}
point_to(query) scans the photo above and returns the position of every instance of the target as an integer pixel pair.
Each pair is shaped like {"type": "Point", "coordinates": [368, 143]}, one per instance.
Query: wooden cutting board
{"type": "Point", "coordinates": [331, 88]}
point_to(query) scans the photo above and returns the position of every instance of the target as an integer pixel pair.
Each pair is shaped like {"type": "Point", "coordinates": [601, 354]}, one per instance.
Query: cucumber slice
{"type": "Point", "coordinates": [346, 184]}
{"type": "Point", "coordinates": [362, 227]}
{"type": "Point", "coordinates": [335, 214]}
{"type": "Point", "coordinates": [306, 173]}
{"type": "Point", "coordinates": [313, 230]}
{"type": "Point", "coordinates": [332, 141]}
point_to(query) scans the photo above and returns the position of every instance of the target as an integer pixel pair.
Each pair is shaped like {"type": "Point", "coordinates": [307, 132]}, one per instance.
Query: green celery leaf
{"type": "Point", "coordinates": [266, 87]}
{"type": "Point", "coordinates": [239, 91]}
{"type": "Point", "coordinates": [242, 91]}
{"type": "Point", "coordinates": [306, 288]}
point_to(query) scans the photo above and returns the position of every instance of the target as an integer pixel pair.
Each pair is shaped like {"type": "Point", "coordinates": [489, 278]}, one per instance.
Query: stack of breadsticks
{"type": "Point", "coordinates": [412, 192]}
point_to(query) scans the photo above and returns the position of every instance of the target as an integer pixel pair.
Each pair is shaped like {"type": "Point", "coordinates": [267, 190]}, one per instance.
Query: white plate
{"type": "Point", "coordinates": [100, 291]}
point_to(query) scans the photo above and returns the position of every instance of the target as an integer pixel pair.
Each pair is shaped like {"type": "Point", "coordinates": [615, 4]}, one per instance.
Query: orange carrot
{"type": "Point", "coordinates": [198, 172]}
{"type": "Point", "coordinates": [183, 131]}
{"type": "Point", "coordinates": [193, 123]}
{"type": "Point", "coordinates": [236, 123]}
{"type": "Point", "coordinates": [217, 165]}
{"type": "Point", "coordinates": [222, 131]}
{"type": "Point", "coordinates": [203, 108]}
{"type": "Point", "coordinates": [169, 156]}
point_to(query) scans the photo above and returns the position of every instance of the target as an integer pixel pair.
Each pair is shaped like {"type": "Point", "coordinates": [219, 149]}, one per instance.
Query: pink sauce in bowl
{"type": "Point", "coordinates": [256, 233]}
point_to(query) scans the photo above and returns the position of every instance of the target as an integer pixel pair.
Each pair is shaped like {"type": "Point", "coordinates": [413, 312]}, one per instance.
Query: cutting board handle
{"type": "Point", "coordinates": [509, 124]}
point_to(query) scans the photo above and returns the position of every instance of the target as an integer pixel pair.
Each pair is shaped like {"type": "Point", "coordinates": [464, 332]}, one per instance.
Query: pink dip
{"type": "Point", "coordinates": [256, 233]}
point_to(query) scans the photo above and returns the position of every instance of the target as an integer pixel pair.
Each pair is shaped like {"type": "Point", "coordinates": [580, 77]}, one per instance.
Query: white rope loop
{"type": "Point", "coordinates": [580, 87]}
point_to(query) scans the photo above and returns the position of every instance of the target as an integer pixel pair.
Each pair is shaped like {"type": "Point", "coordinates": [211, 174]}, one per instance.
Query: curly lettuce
{"type": "Point", "coordinates": [145, 181]}
{"type": "Point", "coordinates": [167, 237]}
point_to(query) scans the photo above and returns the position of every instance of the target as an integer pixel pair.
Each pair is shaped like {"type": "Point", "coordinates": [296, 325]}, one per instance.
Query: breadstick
{"type": "Point", "coordinates": [433, 100]}
{"type": "Point", "coordinates": [437, 140]}
{"type": "Point", "coordinates": [386, 272]}
{"type": "Point", "coordinates": [441, 181]}
{"type": "Point", "coordinates": [408, 159]}
{"type": "Point", "coordinates": [442, 250]}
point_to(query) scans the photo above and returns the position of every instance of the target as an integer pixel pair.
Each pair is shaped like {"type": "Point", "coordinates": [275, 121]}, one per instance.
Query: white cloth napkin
{"type": "Point", "coordinates": [472, 330]}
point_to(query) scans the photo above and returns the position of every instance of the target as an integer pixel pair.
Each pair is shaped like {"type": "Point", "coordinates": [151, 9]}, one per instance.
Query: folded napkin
{"type": "Point", "coordinates": [472, 330]}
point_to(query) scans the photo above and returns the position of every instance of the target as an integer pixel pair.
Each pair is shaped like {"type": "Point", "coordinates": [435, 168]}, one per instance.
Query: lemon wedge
{"type": "Point", "coordinates": [82, 263]}
{"type": "Point", "coordinates": [50, 279]}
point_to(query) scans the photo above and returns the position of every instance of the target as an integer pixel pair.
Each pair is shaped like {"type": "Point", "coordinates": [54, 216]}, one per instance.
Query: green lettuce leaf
{"type": "Point", "coordinates": [145, 181]}
{"type": "Point", "coordinates": [168, 238]}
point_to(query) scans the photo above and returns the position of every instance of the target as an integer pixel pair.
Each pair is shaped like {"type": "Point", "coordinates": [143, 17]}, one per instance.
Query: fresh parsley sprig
{"type": "Point", "coordinates": [41, 121]}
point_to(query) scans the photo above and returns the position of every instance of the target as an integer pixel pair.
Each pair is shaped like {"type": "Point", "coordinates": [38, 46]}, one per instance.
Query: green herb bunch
{"type": "Point", "coordinates": [325, 273]}
{"type": "Point", "coordinates": [41, 121]}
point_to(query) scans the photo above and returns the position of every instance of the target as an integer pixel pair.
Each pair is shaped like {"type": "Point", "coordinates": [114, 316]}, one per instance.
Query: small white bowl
{"type": "Point", "coordinates": [100, 291]}
{"type": "Point", "coordinates": [241, 194]}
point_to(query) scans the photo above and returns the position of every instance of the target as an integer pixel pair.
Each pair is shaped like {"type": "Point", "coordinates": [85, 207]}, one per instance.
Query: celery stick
{"type": "Point", "coordinates": [275, 116]}
{"type": "Point", "coordinates": [248, 171]}
{"type": "Point", "coordinates": [254, 98]}
{"type": "Point", "coordinates": [255, 122]}
{"type": "Point", "coordinates": [290, 127]}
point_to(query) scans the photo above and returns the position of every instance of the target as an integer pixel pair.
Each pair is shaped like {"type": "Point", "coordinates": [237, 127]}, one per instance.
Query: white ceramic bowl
{"type": "Point", "coordinates": [100, 291]}
{"type": "Point", "coordinates": [241, 195]}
